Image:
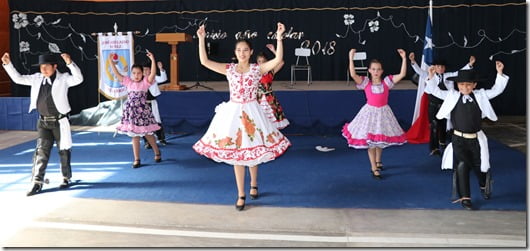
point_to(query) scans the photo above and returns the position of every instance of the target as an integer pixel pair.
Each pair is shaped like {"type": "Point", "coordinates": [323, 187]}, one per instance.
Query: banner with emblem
{"type": "Point", "coordinates": [120, 46]}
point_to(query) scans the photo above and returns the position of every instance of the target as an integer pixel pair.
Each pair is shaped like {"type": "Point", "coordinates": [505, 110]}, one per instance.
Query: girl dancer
{"type": "Point", "coordinates": [137, 119]}
{"type": "Point", "coordinates": [267, 100]}
{"type": "Point", "coordinates": [240, 134]}
{"type": "Point", "coordinates": [375, 126]}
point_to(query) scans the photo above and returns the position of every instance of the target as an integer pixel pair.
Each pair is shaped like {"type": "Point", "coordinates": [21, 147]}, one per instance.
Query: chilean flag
{"type": "Point", "coordinates": [419, 131]}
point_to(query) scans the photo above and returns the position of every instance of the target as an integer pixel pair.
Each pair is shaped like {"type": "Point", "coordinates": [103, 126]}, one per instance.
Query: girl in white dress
{"type": "Point", "coordinates": [240, 134]}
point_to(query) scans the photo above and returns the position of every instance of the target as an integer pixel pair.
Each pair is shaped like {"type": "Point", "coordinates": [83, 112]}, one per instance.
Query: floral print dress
{"type": "Point", "coordinates": [137, 117]}
{"type": "Point", "coordinates": [240, 133]}
{"type": "Point", "coordinates": [269, 103]}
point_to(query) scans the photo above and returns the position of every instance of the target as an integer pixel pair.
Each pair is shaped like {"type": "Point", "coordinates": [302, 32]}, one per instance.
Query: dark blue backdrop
{"type": "Point", "coordinates": [487, 29]}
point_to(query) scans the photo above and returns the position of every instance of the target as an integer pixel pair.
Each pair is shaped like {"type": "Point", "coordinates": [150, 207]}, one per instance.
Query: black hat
{"type": "Point", "coordinates": [47, 59]}
{"type": "Point", "coordinates": [439, 61]}
{"type": "Point", "coordinates": [466, 76]}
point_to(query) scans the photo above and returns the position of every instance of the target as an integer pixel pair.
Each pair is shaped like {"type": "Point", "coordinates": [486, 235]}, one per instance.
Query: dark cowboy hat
{"type": "Point", "coordinates": [439, 61]}
{"type": "Point", "coordinates": [47, 59]}
{"type": "Point", "coordinates": [466, 76]}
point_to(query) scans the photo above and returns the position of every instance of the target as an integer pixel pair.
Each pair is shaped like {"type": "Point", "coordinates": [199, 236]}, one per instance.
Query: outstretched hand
{"type": "Point", "coordinates": [6, 59]}
{"type": "Point", "coordinates": [151, 56]}
{"type": "Point", "coordinates": [271, 48]}
{"type": "Point", "coordinates": [402, 53]}
{"type": "Point", "coordinates": [66, 58]}
{"type": "Point", "coordinates": [499, 66]}
{"type": "Point", "coordinates": [472, 60]}
{"type": "Point", "coordinates": [412, 57]}
{"type": "Point", "coordinates": [432, 70]}
{"type": "Point", "coordinates": [280, 30]}
{"type": "Point", "coordinates": [201, 32]}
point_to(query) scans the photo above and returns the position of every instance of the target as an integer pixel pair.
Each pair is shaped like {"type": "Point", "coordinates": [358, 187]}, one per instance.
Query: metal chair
{"type": "Point", "coordinates": [360, 68]}
{"type": "Point", "coordinates": [301, 52]}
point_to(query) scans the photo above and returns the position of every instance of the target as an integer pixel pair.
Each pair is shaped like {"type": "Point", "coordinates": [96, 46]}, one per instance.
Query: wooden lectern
{"type": "Point", "coordinates": [173, 39]}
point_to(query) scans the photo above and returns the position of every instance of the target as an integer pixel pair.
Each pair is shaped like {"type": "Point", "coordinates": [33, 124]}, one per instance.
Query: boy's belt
{"type": "Point", "coordinates": [52, 118]}
{"type": "Point", "coordinates": [465, 135]}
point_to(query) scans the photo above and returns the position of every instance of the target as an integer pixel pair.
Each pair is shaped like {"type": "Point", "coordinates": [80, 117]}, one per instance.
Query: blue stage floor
{"type": "Point", "coordinates": [302, 177]}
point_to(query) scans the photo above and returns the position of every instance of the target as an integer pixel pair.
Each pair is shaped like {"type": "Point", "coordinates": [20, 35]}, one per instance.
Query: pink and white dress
{"type": "Point", "coordinates": [137, 117]}
{"type": "Point", "coordinates": [240, 133]}
{"type": "Point", "coordinates": [375, 125]}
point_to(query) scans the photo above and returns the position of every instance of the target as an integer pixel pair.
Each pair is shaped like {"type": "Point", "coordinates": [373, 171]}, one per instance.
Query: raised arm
{"type": "Point", "coordinates": [203, 56]}
{"type": "Point", "coordinates": [358, 79]}
{"type": "Point", "coordinates": [76, 77]}
{"type": "Point", "coordinates": [152, 75]}
{"type": "Point", "coordinates": [13, 73]}
{"type": "Point", "coordinates": [398, 77]}
{"type": "Point", "coordinates": [278, 56]}
{"type": "Point", "coordinates": [431, 86]}
{"type": "Point", "coordinates": [280, 65]}
{"type": "Point", "coordinates": [416, 67]}
{"type": "Point", "coordinates": [500, 82]}
{"type": "Point", "coordinates": [114, 69]}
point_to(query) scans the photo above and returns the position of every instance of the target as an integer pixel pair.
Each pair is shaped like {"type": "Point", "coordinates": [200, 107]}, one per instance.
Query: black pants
{"type": "Point", "coordinates": [466, 156]}
{"type": "Point", "coordinates": [437, 127]}
{"type": "Point", "coordinates": [49, 131]}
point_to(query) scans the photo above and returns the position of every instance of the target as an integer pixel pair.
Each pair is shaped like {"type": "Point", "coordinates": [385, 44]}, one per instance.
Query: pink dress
{"type": "Point", "coordinates": [240, 133]}
{"type": "Point", "coordinates": [137, 117]}
{"type": "Point", "coordinates": [375, 125]}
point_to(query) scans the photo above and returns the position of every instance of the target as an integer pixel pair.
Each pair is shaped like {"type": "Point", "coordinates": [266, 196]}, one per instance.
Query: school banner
{"type": "Point", "coordinates": [114, 49]}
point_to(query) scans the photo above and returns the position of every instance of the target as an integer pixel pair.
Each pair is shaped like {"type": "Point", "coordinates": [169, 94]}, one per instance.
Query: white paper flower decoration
{"type": "Point", "coordinates": [374, 26]}
{"type": "Point", "coordinates": [20, 20]}
{"type": "Point", "coordinates": [38, 20]}
{"type": "Point", "coordinates": [23, 46]}
{"type": "Point", "coordinates": [348, 19]}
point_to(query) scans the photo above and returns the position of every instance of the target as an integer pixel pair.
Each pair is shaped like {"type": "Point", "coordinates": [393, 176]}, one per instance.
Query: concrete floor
{"type": "Point", "coordinates": [61, 220]}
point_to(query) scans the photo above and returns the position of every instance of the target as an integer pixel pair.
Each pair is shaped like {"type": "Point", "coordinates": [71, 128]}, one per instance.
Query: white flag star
{"type": "Point", "coordinates": [428, 43]}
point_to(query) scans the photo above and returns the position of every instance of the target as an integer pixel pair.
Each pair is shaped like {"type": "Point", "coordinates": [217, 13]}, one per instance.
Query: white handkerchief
{"type": "Point", "coordinates": [324, 149]}
{"type": "Point", "coordinates": [467, 98]}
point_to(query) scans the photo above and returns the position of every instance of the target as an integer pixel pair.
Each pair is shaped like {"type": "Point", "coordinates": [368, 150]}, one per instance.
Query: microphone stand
{"type": "Point", "coordinates": [197, 83]}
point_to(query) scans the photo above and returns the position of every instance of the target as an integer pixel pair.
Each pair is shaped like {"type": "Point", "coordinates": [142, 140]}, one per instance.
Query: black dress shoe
{"type": "Point", "coordinates": [254, 196]}
{"type": "Point", "coordinates": [485, 194]}
{"type": "Point", "coordinates": [163, 142]}
{"type": "Point", "coordinates": [467, 204]}
{"type": "Point", "coordinates": [136, 164]}
{"type": "Point", "coordinates": [65, 184]}
{"type": "Point", "coordinates": [147, 146]}
{"type": "Point", "coordinates": [377, 175]}
{"type": "Point", "coordinates": [486, 190]}
{"type": "Point", "coordinates": [158, 157]}
{"type": "Point", "coordinates": [240, 207]}
{"type": "Point", "coordinates": [36, 188]}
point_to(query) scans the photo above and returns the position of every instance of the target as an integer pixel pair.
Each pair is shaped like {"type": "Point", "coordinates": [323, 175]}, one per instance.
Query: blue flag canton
{"type": "Point", "coordinates": [428, 53]}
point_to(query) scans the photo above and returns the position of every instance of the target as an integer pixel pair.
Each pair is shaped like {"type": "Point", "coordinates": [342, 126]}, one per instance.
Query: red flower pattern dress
{"type": "Point", "coordinates": [269, 103]}
{"type": "Point", "coordinates": [240, 133]}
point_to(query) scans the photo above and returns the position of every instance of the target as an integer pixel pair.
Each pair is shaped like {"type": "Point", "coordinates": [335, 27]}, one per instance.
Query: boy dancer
{"type": "Point", "coordinates": [465, 109]}
{"type": "Point", "coordinates": [437, 138]}
{"type": "Point", "coordinates": [152, 93]}
{"type": "Point", "coordinates": [49, 95]}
